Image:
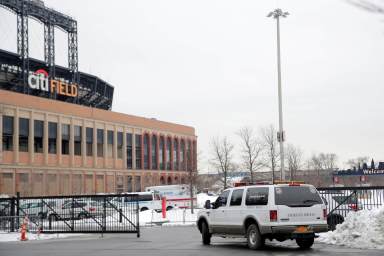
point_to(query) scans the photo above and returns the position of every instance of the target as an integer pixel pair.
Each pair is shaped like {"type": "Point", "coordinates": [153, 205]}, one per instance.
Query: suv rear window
{"type": "Point", "coordinates": [297, 196]}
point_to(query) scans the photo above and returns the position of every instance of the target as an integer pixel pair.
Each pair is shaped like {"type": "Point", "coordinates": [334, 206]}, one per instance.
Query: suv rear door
{"type": "Point", "coordinates": [256, 203]}
{"type": "Point", "coordinates": [297, 205]}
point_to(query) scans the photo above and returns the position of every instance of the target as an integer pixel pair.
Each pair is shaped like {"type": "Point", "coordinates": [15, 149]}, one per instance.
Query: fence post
{"type": "Point", "coordinates": [104, 213]}
{"type": "Point", "coordinates": [12, 213]}
{"type": "Point", "coordinates": [356, 201]}
{"type": "Point", "coordinates": [120, 215]}
{"type": "Point", "coordinates": [137, 216]}
{"type": "Point", "coordinates": [17, 209]}
{"type": "Point", "coordinates": [72, 215]}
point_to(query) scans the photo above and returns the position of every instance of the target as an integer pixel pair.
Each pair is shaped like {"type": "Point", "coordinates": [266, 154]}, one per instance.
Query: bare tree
{"type": "Point", "coordinates": [222, 157]}
{"type": "Point", "coordinates": [323, 162]}
{"type": "Point", "coordinates": [294, 160]}
{"type": "Point", "coordinates": [251, 150]}
{"type": "Point", "coordinates": [272, 154]}
{"type": "Point", "coordinates": [356, 162]}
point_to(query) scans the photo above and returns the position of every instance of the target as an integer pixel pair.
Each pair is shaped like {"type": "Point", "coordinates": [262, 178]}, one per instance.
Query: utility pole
{"type": "Point", "coordinates": [276, 14]}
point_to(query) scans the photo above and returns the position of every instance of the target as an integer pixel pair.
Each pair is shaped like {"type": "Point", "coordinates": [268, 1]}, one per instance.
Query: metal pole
{"type": "Point", "coordinates": [281, 140]}
{"type": "Point", "coordinates": [191, 190]}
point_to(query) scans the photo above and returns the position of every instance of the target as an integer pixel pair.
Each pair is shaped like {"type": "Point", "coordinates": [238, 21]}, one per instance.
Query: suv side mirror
{"type": "Point", "coordinates": [207, 204]}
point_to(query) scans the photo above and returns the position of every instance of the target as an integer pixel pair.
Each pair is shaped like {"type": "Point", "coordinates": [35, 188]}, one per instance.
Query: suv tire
{"type": "Point", "coordinates": [205, 235]}
{"type": "Point", "coordinates": [305, 243]}
{"type": "Point", "coordinates": [254, 239]}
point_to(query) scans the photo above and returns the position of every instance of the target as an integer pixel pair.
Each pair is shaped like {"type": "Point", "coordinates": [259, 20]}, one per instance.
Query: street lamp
{"type": "Point", "coordinates": [276, 14]}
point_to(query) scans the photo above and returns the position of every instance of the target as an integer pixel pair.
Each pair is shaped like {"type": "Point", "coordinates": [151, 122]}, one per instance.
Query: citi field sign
{"type": "Point", "coordinates": [40, 81]}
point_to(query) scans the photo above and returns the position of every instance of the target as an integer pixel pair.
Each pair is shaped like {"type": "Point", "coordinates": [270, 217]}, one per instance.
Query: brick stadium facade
{"type": "Point", "coordinates": [51, 147]}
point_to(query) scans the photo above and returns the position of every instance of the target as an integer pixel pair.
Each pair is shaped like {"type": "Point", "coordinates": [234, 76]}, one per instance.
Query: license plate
{"type": "Point", "coordinates": [301, 229]}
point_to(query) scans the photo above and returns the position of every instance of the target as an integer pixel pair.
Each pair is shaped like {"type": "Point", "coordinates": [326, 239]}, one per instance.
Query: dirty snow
{"type": "Point", "coordinates": [363, 229]}
{"type": "Point", "coordinates": [15, 236]}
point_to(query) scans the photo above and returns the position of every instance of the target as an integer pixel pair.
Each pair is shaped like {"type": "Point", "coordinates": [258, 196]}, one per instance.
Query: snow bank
{"type": "Point", "coordinates": [363, 229]}
{"type": "Point", "coordinates": [202, 197]}
{"type": "Point", "coordinates": [12, 237]}
{"type": "Point", "coordinates": [174, 217]}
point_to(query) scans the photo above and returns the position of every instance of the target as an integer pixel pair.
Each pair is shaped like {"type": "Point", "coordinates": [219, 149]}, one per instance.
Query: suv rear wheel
{"type": "Point", "coordinates": [205, 235]}
{"type": "Point", "coordinates": [305, 243]}
{"type": "Point", "coordinates": [254, 239]}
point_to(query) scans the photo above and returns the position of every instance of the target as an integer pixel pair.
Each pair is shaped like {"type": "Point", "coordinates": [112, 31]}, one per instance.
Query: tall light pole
{"type": "Point", "coordinates": [276, 14]}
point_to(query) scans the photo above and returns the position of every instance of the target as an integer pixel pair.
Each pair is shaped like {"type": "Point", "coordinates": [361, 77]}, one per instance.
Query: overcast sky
{"type": "Point", "coordinates": [212, 65]}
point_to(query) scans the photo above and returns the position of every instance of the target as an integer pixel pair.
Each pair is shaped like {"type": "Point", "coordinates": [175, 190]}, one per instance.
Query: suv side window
{"type": "Point", "coordinates": [237, 197]}
{"type": "Point", "coordinates": [257, 196]}
{"type": "Point", "coordinates": [222, 199]}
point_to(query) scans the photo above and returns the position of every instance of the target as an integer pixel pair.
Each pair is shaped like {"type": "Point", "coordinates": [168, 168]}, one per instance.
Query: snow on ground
{"type": "Point", "coordinates": [11, 237]}
{"type": "Point", "coordinates": [363, 229]}
{"type": "Point", "coordinates": [202, 197]}
{"type": "Point", "coordinates": [175, 217]}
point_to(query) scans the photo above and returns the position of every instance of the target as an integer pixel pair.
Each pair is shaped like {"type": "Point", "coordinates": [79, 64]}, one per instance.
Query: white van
{"type": "Point", "coordinates": [147, 200]}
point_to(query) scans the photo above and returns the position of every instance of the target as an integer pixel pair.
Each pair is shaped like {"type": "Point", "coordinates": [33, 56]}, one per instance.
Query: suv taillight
{"type": "Point", "coordinates": [92, 209]}
{"type": "Point", "coordinates": [325, 214]}
{"type": "Point", "coordinates": [273, 215]}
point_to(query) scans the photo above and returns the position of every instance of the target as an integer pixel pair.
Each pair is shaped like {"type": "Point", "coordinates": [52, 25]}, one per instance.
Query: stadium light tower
{"type": "Point", "coordinates": [276, 14]}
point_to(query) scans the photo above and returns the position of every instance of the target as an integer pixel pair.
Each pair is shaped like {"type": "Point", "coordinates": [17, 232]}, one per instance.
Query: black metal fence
{"type": "Point", "coordinates": [72, 214]}
{"type": "Point", "coordinates": [342, 200]}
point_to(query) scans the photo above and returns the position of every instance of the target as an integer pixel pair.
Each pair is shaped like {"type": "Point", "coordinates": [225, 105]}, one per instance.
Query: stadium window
{"type": "Point", "coordinates": [23, 134]}
{"type": "Point", "coordinates": [161, 153]}
{"type": "Point", "coordinates": [138, 183]}
{"type": "Point", "coordinates": [129, 151]}
{"type": "Point", "coordinates": [38, 136]}
{"type": "Point", "coordinates": [189, 157]}
{"type": "Point", "coordinates": [182, 155]}
{"type": "Point", "coordinates": [100, 142]}
{"type": "Point", "coordinates": [109, 143]}
{"type": "Point", "coordinates": [77, 140]}
{"type": "Point", "coordinates": [65, 135]}
{"type": "Point", "coordinates": [146, 152]}
{"type": "Point", "coordinates": [175, 154]}
{"type": "Point", "coordinates": [154, 152]}
{"type": "Point", "coordinates": [138, 151]}
{"type": "Point", "coordinates": [7, 133]}
{"type": "Point", "coordinates": [169, 153]}
{"type": "Point", "coordinates": [52, 138]}
{"type": "Point", "coordinates": [89, 141]}
{"type": "Point", "coordinates": [119, 145]}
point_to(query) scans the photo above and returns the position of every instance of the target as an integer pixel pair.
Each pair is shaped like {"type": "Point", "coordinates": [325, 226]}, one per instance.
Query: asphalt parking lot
{"type": "Point", "coordinates": [162, 241]}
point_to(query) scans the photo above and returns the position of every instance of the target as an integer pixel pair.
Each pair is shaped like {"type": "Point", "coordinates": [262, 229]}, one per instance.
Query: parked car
{"type": "Point", "coordinates": [73, 209]}
{"type": "Point", "coordinates": [36, 208]}
{"type": "Point", "coordinates": [259, 212]}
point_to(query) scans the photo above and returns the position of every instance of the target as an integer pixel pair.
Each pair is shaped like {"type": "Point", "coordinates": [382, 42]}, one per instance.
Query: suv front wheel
{"type": "Point", "coordinates": [205, 235]}
{"type": "Point", "coordinates": [305, 243]}
{"type": "Point", "coordinates": [254, 239]}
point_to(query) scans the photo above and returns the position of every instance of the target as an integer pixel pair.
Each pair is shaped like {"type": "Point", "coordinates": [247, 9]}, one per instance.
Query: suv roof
{"type": "Point", "coordinates": [274, 185]}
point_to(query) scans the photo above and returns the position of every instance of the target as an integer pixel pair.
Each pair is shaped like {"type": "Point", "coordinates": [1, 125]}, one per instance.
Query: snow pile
{"type": "Point", "coordinates": [363, 229]}
{"type": "Point", "coordinates": [12, 237]}
{"type": "Point", "coordinates": [202, 197]}
{"type": "Point", "coordinates": [174, 217]}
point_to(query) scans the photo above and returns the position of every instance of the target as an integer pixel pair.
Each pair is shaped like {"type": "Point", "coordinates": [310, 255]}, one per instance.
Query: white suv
{"type": "Point", "coordinates": [259, 212]}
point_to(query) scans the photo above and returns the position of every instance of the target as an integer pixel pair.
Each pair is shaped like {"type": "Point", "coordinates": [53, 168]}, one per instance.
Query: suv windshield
{"type": "Point", "coordinates": [297, 196]}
